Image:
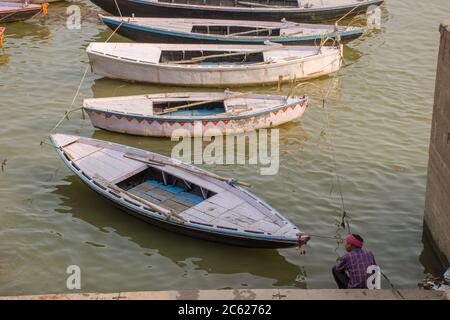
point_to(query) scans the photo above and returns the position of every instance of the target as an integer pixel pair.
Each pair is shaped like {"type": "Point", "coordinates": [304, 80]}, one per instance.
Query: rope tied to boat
{"type": "Point", "coordinates": [70, 110]}
{"type": "Point", "coordinates": [8, 15]}
{"type": "Point", "coordinates": [118, 8]}
{"type": "Point", "coordinates": [324, 95]}
{"type": "Point", "coordinates": [350, 11]}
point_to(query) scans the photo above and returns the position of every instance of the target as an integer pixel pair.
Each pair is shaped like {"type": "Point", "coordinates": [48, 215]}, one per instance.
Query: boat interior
{"type": "Point", "coordinates": [191, 109]}
{"type": "Point", "coordinates": [216, 57]}
{"type": "Point", "coordinates": [195, 105]}
{"type": "Point", "coordinates": [238, 3]}
{"type": "Point", "coordinates": [228, 30]}
{"type": "Point", "coordinates": [165, 190]}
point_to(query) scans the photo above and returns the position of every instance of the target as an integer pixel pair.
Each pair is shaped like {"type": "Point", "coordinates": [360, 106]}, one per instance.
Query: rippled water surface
{"type": "Point", "coordinates": [379, 120]}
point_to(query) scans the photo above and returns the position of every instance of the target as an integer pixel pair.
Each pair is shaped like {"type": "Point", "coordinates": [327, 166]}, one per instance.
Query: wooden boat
{"type": "Point", "coordinates": [263, 10]}
{"type": "Point", "coordinates": [176, 30]}
{"type": "Point", "coordinates": [209, 65]}
{"type": "Point", "coordinates": [193, 113]}
{"type": "Point", "coordinates": [174, 195]}
{"type": "Point", "coordinates": [10, 12]}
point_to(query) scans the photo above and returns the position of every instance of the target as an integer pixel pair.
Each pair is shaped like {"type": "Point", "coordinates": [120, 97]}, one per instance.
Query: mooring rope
{"type": "Point", "coordinates": [9, 15]}
{"type": "Point", "coordinates": [344, 218]}
{"type": "Point", "coordinates": [325, 95]}
{"type": "Point", "coordinates": [114, 32]}
{"type": "Point", "coordinates": [70, 110]}
{"type": "Point", "coordinates": [118, 8]}
{"type": "Point", "coordinates": [350, 11]}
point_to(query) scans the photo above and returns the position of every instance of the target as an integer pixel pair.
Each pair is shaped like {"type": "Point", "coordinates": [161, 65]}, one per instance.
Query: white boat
{"type": "Point", "coordinates": [211, 65]}
{"type": "Point", "coordinates": [193, 113]}
{"type": "Point", "coordinates": [176, 196]}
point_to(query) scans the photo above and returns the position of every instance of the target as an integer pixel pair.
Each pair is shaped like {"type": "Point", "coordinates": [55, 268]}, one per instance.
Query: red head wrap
{"type": "Point", "coordinates": [351, 239]}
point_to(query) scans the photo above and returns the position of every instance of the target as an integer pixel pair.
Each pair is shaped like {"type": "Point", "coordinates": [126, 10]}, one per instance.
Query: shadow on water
{"type": "Point", "coordinates": [315, 88]}
{"type": "Point", "coordinates": [105, 87]}
{"type": "Point", "coordinates": [351, 56]}
{"type": "Point", "coordinates": [32, 30]}
{"type": "Point", "coordinates": [433, 261]}
{"type": "Point", "coordinates": [85, 204]}
{"type": "Point", "coordinates": [4, 57]}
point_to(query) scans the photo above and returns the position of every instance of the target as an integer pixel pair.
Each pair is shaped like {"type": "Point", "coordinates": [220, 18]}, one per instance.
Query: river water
{"type": "Point", "coordinates": [379, 115]}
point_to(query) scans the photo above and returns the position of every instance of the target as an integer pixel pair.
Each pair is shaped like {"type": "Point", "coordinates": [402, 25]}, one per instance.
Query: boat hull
{"type": "Point", "coordinates": [220, 238]}
{"type": "Point", "coordinates": [252, 75]}
{"type": "Point", "coordinates": [19, 15]}
{"type": "Point", "coordinates": [155, 9]}
{"type": "Point", "coordinates": [190, 127]}
{"type": "Point", "coordinates": [158, 36]}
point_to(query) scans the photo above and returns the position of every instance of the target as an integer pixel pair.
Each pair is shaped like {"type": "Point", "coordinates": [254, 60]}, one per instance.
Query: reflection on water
{"type": "Point", "coordinates": [316, 89]}
{"type": "Point", "coordinates": [431, 258]}
{"type": "Point", "coordinates": [213, 258]}
{"type": "Point", "coordinates": [105, 87]}
{"type": "Point", "coordinates": [31, 30]}
{"type": "Point", "coordinates": [4, 58]}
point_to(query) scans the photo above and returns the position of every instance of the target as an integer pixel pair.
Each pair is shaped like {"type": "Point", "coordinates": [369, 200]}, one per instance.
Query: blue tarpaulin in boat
{"type": "Point", "coordinates": [197, 112]}
{"type": "Point", "coordinates": [176, 191]}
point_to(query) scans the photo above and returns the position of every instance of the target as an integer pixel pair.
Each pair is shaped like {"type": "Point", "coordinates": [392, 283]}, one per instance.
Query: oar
{"type": "Point", "coordinates": [198, 103]}
{"type": "Point", "coordinates": [153, 161]}
{"type": "Point", "coordinates": [251, 31]}
{"type": "Point", "coordinates": [253, 4]}
{"type": "Point", "coordinates": [240, 53]}
{"type": "Point", "coordinates": [163, 211]}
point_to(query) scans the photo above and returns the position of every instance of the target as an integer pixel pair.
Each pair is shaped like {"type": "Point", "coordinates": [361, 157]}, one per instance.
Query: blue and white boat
{"type": "Point", "coordinates": [176, 196]}
{"type": "Point", "coordinates": [311, 11]}
{"type": "Point", "coordinates": [179, 30]}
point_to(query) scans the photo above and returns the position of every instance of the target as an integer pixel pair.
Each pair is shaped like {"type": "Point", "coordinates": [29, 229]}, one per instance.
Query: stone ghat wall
{"type": "Point", "coordinates": [437, 203]}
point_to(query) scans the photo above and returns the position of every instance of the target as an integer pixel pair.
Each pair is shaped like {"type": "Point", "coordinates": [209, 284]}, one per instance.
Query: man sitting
{"type": "Point", "coordinates": [351, 269]}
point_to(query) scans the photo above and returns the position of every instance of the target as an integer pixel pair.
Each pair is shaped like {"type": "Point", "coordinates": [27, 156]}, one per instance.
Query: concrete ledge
{"type": "Point", "coordinates": [256, 294]}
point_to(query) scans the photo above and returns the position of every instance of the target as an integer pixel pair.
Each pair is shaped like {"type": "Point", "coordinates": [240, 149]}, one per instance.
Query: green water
{"type": "Point", "coordinates": [379, 122]}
